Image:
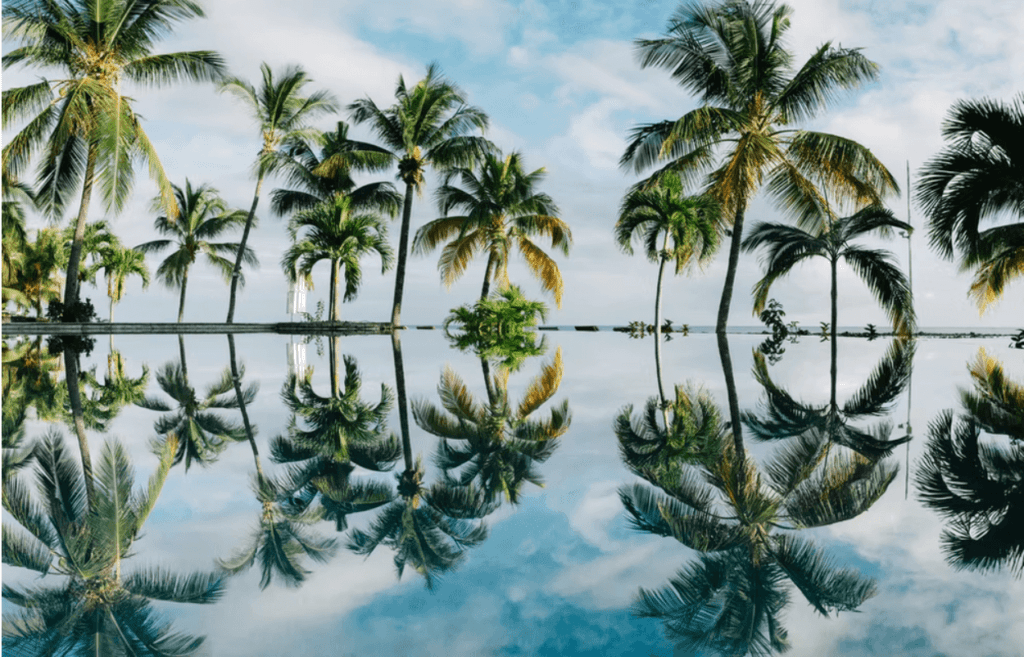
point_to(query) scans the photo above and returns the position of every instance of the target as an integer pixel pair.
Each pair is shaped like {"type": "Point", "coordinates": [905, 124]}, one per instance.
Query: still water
{"type": "Point", "coordinates": [558, 517]}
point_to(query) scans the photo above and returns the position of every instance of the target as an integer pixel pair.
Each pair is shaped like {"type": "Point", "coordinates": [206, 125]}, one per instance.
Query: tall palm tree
{"type": "Point", "coordinates": [283, 115]}
{"type": "Point", "coordinates": [497, 444]}
{"type": "Point", "coordinates": [499, 208]}
{"type": "Point", "coordinates": [976, 178]}
{"type": "Point", "coordinates": [335, 233]}
{"type": "Point", "coordinates": [341, 431]}
{"type": "Point", "coordinates": [691, 223]}
{"type": "Point", "coordinates": [977, 484]}
{"type": "Point", "coordinates": [203, 216]}
{"type": "Point", "coordinates": [428, 126]}
{"type": "Point", "coordinates": [733, 55]}
{"type": "Point", "coordinates": [319, 166]}
{"type": "Point", "coordinates": [97, 240]}
{"type": "Point", "coordinates": [118, 264]}
{"type": "Point", "coordinates": [99, 608]}
{"type": "Point", "coordinates": [90, 130]}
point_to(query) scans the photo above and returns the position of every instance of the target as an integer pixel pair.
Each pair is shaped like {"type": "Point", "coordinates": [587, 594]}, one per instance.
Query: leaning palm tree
{"type": "Point", "coordinates": [788, 246]}
{"type": "Point", "coordinates": [977, 483]}
{"type": "Point", "coordinates": [282, 115]}
{"type": "Point", "coordinates": [977, 178]}
{"type": "Point", "coordinates": [496, 444]}
{"type": "Point", "coordinates": [732, 54]}
{"type": "Point", "coordinates": [335, 233]}
{"type": "Point", "coordinates": [118, 264]}
{"type": "Point", "coordinates": [89, 129]}
{"type": "Point", "coordinates": [691, 223]}
{"type": "Point", "coordinates": [428, 126]}
{"type": "Point", "coordinates": [99, 609]}
{"type": "Point", "coordinates": [499, 208]}
{"type": "Point", "coordinates": [203, 216]}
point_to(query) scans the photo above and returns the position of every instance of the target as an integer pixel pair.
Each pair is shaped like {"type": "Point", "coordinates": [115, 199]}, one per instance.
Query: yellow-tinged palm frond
{"type": "Point", "coordinates": [991, 380]}
{"type": "Point", "coordinates": [543, 267]}
{"type": "Point", "coordinates": [455, 257]}
{"type": "Point", "coordinates": [740, 176]}
{"type": "Point", "coordinates": [555, 228]}
{"type": "Point", "coordinates": [435, 232]}
{"type": "Point", "coordinates": [456, 399]}
{"type": "Point", "coordinates": [993, 275]}
{"type": "Point", "coordinates": [543, 387]}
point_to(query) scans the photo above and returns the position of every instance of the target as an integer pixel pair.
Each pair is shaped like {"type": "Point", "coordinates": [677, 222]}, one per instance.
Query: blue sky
{"type": "Point", "coordinates": [560, 84]}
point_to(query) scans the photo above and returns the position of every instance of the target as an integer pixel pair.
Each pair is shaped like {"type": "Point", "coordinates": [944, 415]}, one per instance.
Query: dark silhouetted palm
{"type": "Point", "coordinates": [90, 130]}
{"type": "Point", "coordinates": [977, 483]}
{"type": "Point", "coordinates": [732, 54]}
{"type": "Point", "coordinates": [976, 178]}
{"type": "Point", "coordinates": [499, 209]}
{"type": "Point", "coordinates": [283, 116]}
{"type": "Point", "coordinates": [204, 216]}
{"type": "Point", "coordinates": [496, 444]}
{"type": "Point", "coordinates": [428, 126]}
{"type": "Point", "coordinates": [336, 434]}
{"type": "Point", "coordinates": [98, 609]}
{"type": "Point", "coordinates": [334, 232]}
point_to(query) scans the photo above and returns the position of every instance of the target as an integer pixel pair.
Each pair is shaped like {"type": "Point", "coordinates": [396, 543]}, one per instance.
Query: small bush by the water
{"type": "Point", "coordinates": [496, 327]}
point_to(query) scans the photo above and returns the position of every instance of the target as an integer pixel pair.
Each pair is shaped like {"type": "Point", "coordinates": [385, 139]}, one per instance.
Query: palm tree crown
{"type": "Point", "coordinates": [500, 208]}
{"type": "Point", "coordinates": [428, 126]}
{"type": "Point", "coordinates": [92, 133]}
{"type": "Point", "coordinates": [732, 54]}
{"type": "Point", "coordinates": [977, 177]}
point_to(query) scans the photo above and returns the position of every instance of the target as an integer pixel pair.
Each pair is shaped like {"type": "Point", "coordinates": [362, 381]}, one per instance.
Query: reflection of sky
{"type": "Point", "coordinates": [557, 575]}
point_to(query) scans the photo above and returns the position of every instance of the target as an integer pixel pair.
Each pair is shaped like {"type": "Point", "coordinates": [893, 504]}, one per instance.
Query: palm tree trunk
{"type": "Point", "coordinates": [730, 387]}
{"type": "Point", "coordinates": [71, 284]}
{"type": "Point", "coordinates": [730, 273]}
{"type": "Point", "coordinates": [241, 405]}
{"type": "Point", "coordinates": [334, 290]}
{"type": "Point", "coordinates": [181, 299]}
{"type": "Point", "coordinates": [237, 271]}
{"type": "Point", "coordinates": [403, 251]}
{"type": "Point", "coordinates": [111, 310]}
{"type": "Point", "coordinates": [333, 355]}
{"type": "Point", "coordinates": [835, 330]}
{"type": "Point", "coordinates": [487, 277]}
{"type": "Point", "coordinates": [657, 331]}
{"type": "Point", "coordinates": [486, 367]}
{"type": "Point", "coordinates": [181, 352]}
{"type": "Point", "coordinates": [78, 420]}
{"type": "Point", "coordinates": [403, 413]}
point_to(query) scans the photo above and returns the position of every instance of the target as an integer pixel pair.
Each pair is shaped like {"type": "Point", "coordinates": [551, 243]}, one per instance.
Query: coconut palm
{"type": "Point", "coordinates": [42, 259]}
{"type": "Point", "coordinates": [788, 246]}
{"type": "Point", "coordinates": [118, 389]}
{"type": "Point", "coordinates": [90, 130]}
{"type": "Point", "coordinates": [199, 434]}
{"type": "Point", "coordinates": [974, 179]}
{"type": "Point", "coordinates": [428, 126]}
{"type": "Point", "coordinates": [499, 208]}
{"type": "Point", "coordinates": [496, 444]}
{"type": "Point", "coordinates": [203, 216]}
{"type": "Point", "coordinates": [732, 54]}
{"type": "Point", "coordinates": [690, 222]}
{"type": "Point", "coordinates": [977, 483]}
{"type": "Point", "coordinates": [319, 166]}
{"type": "Point", "coordinates": [15, 196]}
{"type": "Point", "coordinates": [118, 264]}
{"type": "Point", "coordinates": [99, 608]}
{"type": "Point", "coordinates": [341, 431]}
{"type": "Point", "coordinates": [283, 115]}
{"type": "Point", "coordinates": [335, 233]}
{"type": "Point", "coordinates": [97, 241]}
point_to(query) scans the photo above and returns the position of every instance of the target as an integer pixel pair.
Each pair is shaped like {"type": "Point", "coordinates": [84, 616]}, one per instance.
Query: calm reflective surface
{"type": "Point", "coordinates": [357, 495]}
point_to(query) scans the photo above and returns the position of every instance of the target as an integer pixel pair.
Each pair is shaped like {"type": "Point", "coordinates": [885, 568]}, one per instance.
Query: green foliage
{"type": "Point", "coordinates": [772, 316]}
{"type": "Point", "coordinates": [872, 331]}
{"type": "Point", "coordinates": [496, 327]}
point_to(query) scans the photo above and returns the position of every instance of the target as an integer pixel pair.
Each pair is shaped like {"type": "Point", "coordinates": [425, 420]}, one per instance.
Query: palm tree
{"type": "Point", "coordinates": [788, 246]}
{"type": "Point", "coordinates": [40, 270]}
{"type": "Point", "coordinates": [690, 222]}
{"type": "Point", "coordinates": [315, 178]}
{"type": "Point", "coordinates": [732, 54]}
{"type": "Point", "coordinates": [97, 240]}
{"type": "Point", "coordinates": [977, 484]}
{"type": "Point", "coordinates": [203, 216]}
{"type": "Point", "coordinates": [99, 608]}
{"type": "Point", "coordinates": [118, 389]}
{"type": "Point", "coordinates": [428, 126]}
{"type": "Point", "coordinates": [976, 178]}
{"type": "Point", "coordinates": [90, 130]}
{"type": "Point", "coordinates": [199, 434]}
{"type": "Point", "coordinates": [15, 239]}
{"type": "Point", "coordinates": [283, 115]}
{"type": "Point", "coordinates": [499, 209]}
{"type": "Point", "coordinates": [334, 233]}
{"type": "Point", "coordinates": [118, 264]}
{"type": "Point", "coordinates": [342, 431]}
{"type": "Point", "coordinates": [497, 442]}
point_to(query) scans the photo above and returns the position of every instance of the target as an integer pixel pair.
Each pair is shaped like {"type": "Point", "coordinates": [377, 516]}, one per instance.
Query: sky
{"type": "Point", "coordinates": [560, 83]}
